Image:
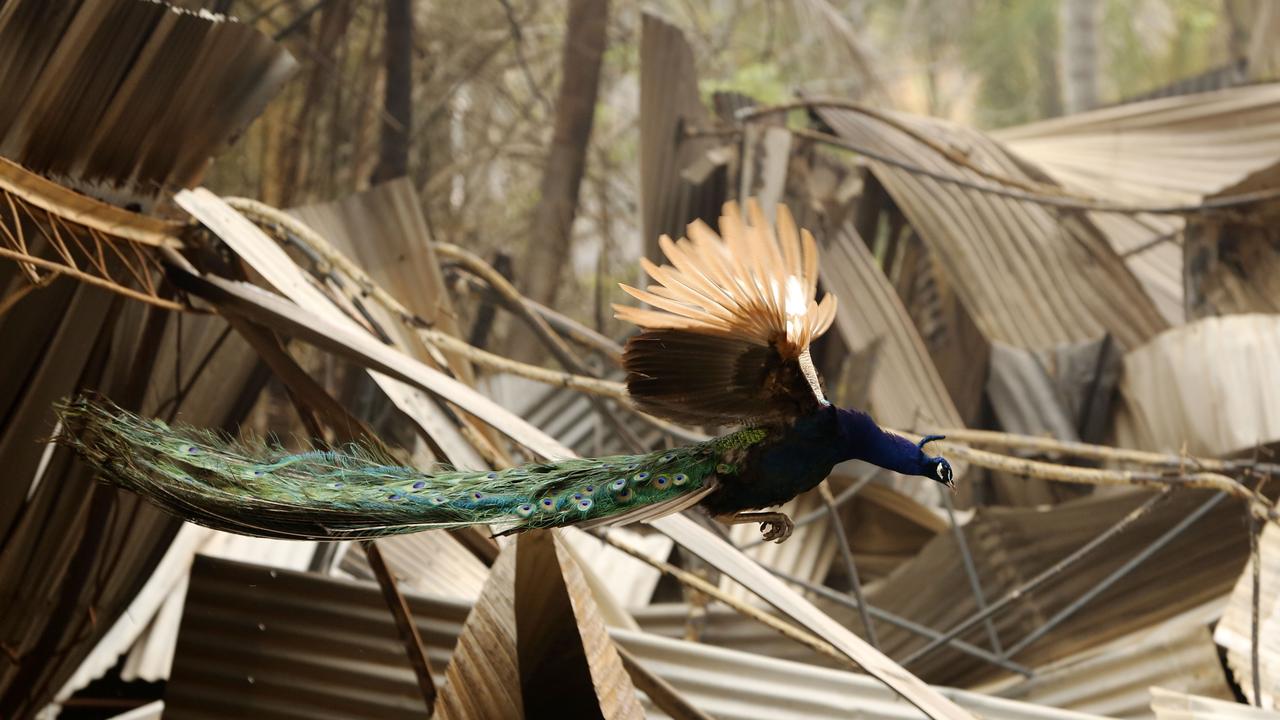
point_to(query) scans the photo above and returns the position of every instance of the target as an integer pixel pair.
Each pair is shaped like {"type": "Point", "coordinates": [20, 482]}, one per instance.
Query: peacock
{"type": "Point", "coordinates": [725, 343]}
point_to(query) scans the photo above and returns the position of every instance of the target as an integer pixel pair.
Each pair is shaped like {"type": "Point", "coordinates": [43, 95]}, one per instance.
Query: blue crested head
{"type": "Point", "coordinates": [937, 467]}
{"type": "Point", "coordinates": [862, 439]}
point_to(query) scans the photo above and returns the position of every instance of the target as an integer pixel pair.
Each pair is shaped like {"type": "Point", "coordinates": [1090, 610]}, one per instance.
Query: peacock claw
{"type": "Point", "coordinates": [774, 526]}
{"type": "Point", "coordinates": [777, 530]}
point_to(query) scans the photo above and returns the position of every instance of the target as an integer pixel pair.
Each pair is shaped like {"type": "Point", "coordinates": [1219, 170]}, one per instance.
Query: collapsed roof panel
{"type": "Point", "coordinates": [678, 183]}
{"type": "Point", "coordinates": [284, 642]}
{"type": "Point", "coordinates": [1030, 277]}
{"type": "Point", "coordinates": [1170, 151]}
{"type": "Point", "coordinates": [1196, 543]}
{"type": "Point", "coordinates": [1211, 388]}
{"type": "Point", "coordinates": [1114, 680]}
{"type": "Point", "coordinates": [1167, 151]}
{"type": "Point", "coordinates": [128, 98]}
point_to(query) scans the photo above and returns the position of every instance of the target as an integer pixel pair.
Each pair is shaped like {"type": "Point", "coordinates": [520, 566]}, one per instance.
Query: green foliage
{"type": "Point", "coordinates": [1153, 44]}
{"type": "Point", "coordinates": [1012, 47]}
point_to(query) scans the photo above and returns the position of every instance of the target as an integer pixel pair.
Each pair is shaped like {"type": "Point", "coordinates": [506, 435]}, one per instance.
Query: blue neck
{"type": "Point", "coordinates": [862, 439]}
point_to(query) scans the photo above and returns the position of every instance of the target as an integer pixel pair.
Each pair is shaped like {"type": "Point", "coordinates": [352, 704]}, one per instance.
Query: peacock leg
{"type": "Point", "coordinates": [774, 526]}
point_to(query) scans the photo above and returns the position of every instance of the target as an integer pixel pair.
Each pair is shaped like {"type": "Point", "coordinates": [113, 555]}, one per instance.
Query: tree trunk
{"type": "Point", "coordinates": [566, 161]}
{"type": "Point", "coordinates": [1080, 21]}
{"type": "Point", "coordinates": [397, 119]}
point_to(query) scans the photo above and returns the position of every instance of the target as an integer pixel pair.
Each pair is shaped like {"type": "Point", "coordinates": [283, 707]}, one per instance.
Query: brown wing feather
{"type": "Point", "coordinates": [730, 321]}
{"type": "Point", "coordinates": [700, 379]}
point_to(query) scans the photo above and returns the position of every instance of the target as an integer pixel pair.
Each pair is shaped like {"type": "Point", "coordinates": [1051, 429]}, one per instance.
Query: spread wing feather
{"type": "Point", "coordinates": [726, 337]}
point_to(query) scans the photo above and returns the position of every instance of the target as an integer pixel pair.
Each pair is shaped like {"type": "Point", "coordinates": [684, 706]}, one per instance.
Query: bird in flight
{"type": "Point", "coordinates": [725, 343]}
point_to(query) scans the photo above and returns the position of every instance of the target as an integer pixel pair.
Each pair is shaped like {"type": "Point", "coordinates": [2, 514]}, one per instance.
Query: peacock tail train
{"type": "Point", "coordinates": [252, 488]}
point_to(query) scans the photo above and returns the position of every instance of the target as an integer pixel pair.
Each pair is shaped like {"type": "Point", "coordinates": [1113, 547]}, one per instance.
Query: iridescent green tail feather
{"type": "Point", "coordinates": [255, 489]}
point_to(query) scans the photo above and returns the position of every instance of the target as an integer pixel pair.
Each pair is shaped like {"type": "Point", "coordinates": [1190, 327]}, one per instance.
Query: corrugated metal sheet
{"type": "Point", "coordinates": [1235, 632]}
{"type": "Point", "coordinates": [306, 646]}
{"type": "Point", "coordinates": [1012, 545]}
{"type": "Point", "coordinates": [723, 627]}
{"type": "Point", "coordinates": [427, 562]}
{"type": "Point", "coordinates": [384, 231]}
{"type": "Point", "coordinates": [123, 99]}
{"type": "Point", "coordinates": [1064, 393]}
{"type": "Point", "coordinates": [906, 390]}
{"type": "Point", "coordinates": [1029, 277]}
{"type": "Point", "coordinates": [679, 180]}
{"type": "Point", "coordinates": [1168, 151]}
{"type": "Point", "coordinates": [537, 625]}
{"type": "Point", "coordinates": [151, 657]}
{"type": "Point", "coordinates": [1171, 150]}
{"type": "Point", "coordinates": [1152, 247]}
{"type": "Point", "coordinates": [742, 686]}
{"type": "Point", "coordinates": [567, 415]}
{"type": "Point", "coordinates": [808, 558]}
{"type": "Point", "coordinates": [1114, 680]}
{"type": "Point", "coordinates": [296, 645]}
{"type": "Point", "coordinates": [278, 269]}
{"type": "Point", "coordinates": [628, 580]}
{"type": "Point", "coordinates": [1169, 705]}
{"type": "Point", "coordinates": [147, 629]}
{"type": "Point", "coordinates": [1211, 388]}
{"type": "Point", "coordinates": [128, 98]}
{"type": "Point", "coordinates": [76, 553]}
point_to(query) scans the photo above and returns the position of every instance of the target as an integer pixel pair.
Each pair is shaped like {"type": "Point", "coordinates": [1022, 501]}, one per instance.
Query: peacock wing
{"type": "Point", "coordinates": [727, 338]}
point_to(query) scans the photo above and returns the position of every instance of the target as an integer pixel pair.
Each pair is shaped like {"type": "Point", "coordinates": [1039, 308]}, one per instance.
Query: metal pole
{"type": "Point", "coordinates": [974, 583]}
{"type": "Point", "coordinates": [847, 552]}
{"type": "Point", "coordinates": [905, 624]}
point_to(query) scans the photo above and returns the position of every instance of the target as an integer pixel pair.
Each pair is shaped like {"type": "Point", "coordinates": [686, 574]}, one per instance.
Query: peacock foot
{"type": "Point", "coordinates": [774, 526]}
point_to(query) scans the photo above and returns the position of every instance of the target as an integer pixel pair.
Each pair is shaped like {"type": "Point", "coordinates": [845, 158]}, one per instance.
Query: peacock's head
{"type": "Point", "coordinates": [936, 468]}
